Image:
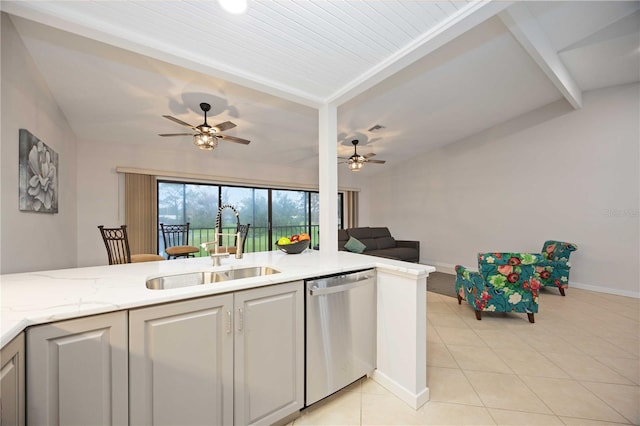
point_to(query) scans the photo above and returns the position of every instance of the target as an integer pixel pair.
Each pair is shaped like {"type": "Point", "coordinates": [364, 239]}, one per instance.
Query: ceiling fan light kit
{"type": "Point", "coordinates": [205, 141]}
{"type": "Point", "coordinates": [355, 166]}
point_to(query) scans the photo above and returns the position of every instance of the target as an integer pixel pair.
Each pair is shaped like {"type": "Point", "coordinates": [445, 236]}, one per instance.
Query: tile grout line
{"type": "Point", "coordinates": [603, 401]}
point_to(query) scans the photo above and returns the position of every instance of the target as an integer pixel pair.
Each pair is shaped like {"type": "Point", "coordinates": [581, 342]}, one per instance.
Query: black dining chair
{"type": "Point", "coordinates": [176, 241]}
{"type": "Point", "coordinates": [116, 242]}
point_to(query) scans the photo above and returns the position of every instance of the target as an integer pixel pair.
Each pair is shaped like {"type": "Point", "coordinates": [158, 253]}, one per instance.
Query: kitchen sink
{"type": "Point", "coordinates": [207, 277]}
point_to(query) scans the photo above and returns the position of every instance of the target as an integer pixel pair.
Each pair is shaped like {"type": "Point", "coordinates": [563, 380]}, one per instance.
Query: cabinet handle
{"type": "Point", "coordinates": [240, 319]}
{"type": "Point", "coordinates": [228, 322]}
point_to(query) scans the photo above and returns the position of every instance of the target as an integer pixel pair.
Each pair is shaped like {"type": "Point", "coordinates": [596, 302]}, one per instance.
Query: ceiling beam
{"type": "Point", "coordinates": [526, 30]}
{"type": "Point", "coordinates": [474, 14]}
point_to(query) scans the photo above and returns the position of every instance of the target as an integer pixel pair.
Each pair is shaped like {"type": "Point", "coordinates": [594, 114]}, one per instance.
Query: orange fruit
{"type": "Point", "coordinates": [304, 236]}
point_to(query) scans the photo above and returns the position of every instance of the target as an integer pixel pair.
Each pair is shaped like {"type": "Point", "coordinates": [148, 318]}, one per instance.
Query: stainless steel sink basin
{"type": "Point", "coordinates": [252, 271]}
{"type": "Point", "coordinates": [207, 277]}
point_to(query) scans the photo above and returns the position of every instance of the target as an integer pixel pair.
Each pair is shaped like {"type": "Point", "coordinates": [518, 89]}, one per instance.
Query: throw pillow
{"type": "Point", "coordinates": [354, 245]}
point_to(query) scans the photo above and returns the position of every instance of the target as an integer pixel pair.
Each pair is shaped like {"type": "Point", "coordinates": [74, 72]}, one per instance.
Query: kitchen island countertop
{"type": "Point", "coordinates": [46, 296]}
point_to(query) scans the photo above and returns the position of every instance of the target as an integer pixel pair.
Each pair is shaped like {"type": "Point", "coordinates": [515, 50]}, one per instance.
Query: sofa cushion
{"type": "Point", "coordinates": [379, 232]}
{"type": "Point", "coordinates": [354, 245]}
{"type": "Point", "coordinates": [360, 233]}
{"type": "Point", "coordinates": [386, 242]}
{"type": "Point", "coordinates": [370, 243]}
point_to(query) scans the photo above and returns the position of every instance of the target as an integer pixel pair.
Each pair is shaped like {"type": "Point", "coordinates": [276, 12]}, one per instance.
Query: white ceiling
{"type": "Point", "coordinates": [430, 72]}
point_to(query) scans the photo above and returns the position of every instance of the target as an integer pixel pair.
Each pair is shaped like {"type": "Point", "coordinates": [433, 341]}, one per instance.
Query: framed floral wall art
{"type": "Point", "coordinates": [38, 175]}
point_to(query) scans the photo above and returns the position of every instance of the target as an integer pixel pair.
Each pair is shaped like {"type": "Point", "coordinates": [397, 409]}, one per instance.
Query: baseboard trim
{"type": "Point", "coordinates": [446, 268]}
{"type": "Point", "coordinates": [449, 268]}
{"type": "Point", "coordinates": [599, 289]}
{"type": "Point", "coordinates": [414, 400]}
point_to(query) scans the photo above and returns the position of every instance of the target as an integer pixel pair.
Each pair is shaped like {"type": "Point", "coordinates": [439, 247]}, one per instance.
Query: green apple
{"type": "Point", "coordinates": [284, 241]}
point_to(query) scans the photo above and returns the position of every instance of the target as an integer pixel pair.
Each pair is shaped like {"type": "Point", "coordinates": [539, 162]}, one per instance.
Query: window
{"type": "Point", "coordinates": [289, 213]}
{"type": "Point", "coordinates": [252, 206]}
{"type": "Point", "coordinates": [272, 212]}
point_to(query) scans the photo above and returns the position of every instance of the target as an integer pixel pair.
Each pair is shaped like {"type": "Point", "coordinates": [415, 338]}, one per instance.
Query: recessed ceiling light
{"type": "Point", "coordinates": [234, 6]}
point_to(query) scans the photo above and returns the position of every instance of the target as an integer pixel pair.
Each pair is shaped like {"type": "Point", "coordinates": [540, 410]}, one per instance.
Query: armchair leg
{"type": "Point", "coordinates": [561, 290]}
{"type": "Point", "coordinates": [479, 315]}
{"type": "Point", "coordinates": [459, 300]}
{"type": "Point", "coordinates": [531, 320]}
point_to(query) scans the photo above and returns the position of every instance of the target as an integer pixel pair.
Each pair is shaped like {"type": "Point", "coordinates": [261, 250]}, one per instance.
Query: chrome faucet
{"type": "Point", "coordinates": [216, 255]}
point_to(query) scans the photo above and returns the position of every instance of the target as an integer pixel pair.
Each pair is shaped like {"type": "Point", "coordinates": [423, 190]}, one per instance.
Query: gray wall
{"type": "Point", "coordinates": [33, 241]}
{"type": "Point", "coordinates": [554, 173]}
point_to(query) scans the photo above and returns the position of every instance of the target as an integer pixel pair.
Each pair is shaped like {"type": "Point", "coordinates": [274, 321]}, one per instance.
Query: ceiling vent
{"type": "Point", "coordinates": [376, 128]}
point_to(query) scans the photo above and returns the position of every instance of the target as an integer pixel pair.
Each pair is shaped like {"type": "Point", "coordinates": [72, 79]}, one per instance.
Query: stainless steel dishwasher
{"type": "Point", "coordinates": [340, 331]}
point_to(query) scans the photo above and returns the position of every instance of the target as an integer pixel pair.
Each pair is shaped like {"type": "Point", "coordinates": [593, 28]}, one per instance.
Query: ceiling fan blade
{"type": "Point", "coordinates": [376, 161]}
{"type": "Point", "coordinates": [175, 134]}
{"type": "Point", "coordinates": [369, 155]}
{"type": "Point", "coordinates": [177, 120]}
{"type": "Point", "coordinates": [224, 126]}
{"type": "Point", "coordinates": [344, 158]}
{"type": "Point", "coordinates": [234, 139]}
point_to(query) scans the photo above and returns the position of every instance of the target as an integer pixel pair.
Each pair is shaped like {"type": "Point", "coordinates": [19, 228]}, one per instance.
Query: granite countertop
{"type": "Point", "coordinates": [46, 296]}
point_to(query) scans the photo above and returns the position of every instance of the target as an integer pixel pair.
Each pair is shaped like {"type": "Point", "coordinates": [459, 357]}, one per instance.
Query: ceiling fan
{"type": "Point", "coordinates": [356, 161]}
{"type": "Point", "coordinates": [206, 136]}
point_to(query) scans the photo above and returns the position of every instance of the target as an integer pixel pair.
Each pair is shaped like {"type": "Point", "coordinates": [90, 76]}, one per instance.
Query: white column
{"type": "Point", "coordinates": [402, 334]}
{"type": "Point", "coordinates": [328, 176]}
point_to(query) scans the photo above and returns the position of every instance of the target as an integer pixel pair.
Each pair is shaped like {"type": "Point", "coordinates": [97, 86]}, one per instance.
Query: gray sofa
{"type": "Point", "coordinates": [379, 242]}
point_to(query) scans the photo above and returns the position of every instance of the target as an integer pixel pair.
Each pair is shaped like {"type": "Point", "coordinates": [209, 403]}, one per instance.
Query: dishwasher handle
{"type": "Point", "coordinates": [319, 291]}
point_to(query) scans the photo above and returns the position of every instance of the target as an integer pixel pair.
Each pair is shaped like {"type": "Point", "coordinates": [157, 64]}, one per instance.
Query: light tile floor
{"type": "Point", "coordinates": [579, 364]}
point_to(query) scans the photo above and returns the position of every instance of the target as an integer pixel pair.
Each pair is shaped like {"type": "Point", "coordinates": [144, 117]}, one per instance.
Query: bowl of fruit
{"type": "Point", "coordinates": [295, 244]}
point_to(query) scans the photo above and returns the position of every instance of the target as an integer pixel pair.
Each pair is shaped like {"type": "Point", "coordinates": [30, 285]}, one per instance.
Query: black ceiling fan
{"type": "Point", "coordinates": [356, 161]}
{"type": "Point", "coordinates": [206, 136]}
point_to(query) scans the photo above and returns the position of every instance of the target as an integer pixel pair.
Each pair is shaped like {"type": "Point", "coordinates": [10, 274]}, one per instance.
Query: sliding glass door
{"type": "Point", "coordinates": [252, 205]}
{"type": "Point", "coordinates": [183, 202]}
{"type": "Point", "coordinates": [272, 212]}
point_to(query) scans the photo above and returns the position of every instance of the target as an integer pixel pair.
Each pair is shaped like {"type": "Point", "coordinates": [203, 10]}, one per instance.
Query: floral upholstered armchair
{"type": "Point", "coordinates": [505, 282]}
{"type": "Point", "coordinates": [554, 271]}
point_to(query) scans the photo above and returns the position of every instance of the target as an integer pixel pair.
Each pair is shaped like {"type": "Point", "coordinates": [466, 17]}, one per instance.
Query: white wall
{"type": "Point", "coordinates": [553, 173]}
{"type": "Point", "coordinates": [33, 241]}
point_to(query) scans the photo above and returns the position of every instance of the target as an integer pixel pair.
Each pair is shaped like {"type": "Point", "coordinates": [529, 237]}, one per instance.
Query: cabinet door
{"type": "Point", "coordinates": [12, 383]}
{"type": "Point", "coordinates": [269, 345]}
{"type": "Point", "coordinates": [181, 358]}
{"type": "Point", "coordinates": [77, 372]}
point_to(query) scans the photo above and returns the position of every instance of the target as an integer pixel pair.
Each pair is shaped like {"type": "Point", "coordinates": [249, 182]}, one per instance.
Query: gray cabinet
{"type": "Point", "coordinates": [77, 372]}
{"type": "Point", "coordinates": [181, 358]}
{"type": "Point", "coordinates": [12, 394]}
{"type": "Point", "coordinates": [269, 353]}
{"type": "Point", "coordinates": [220, 360]}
